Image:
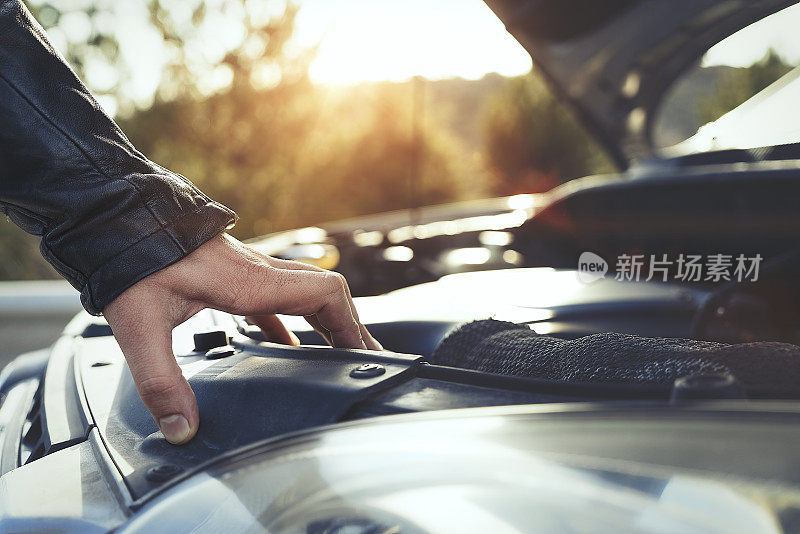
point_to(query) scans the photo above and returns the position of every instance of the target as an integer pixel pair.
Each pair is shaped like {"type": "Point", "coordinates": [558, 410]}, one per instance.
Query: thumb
{"type": "Point", "coordinates": [165, 392]}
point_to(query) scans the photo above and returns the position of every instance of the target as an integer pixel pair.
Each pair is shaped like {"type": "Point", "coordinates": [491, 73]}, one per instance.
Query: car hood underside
{"type": "Point", "coordinates": [613, 61]}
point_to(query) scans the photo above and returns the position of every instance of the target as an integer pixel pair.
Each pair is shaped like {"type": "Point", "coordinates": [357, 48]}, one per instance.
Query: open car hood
{"type": "Point", "coordinates": [613, 61]}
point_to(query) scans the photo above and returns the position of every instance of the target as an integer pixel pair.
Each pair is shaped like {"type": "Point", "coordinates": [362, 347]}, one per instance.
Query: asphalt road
{"type": "Point", "coordinates": [23, 334]}
{"type": "Point", "coordinates": [33, 314]}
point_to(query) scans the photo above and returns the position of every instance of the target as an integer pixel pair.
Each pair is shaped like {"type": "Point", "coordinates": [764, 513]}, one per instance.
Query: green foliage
{"type": "Point", "coordinates": [533, 142]}
{"type": "Point", "coordinates": [238, 145]}
{"type": "Point", "coordinates": [738, 85]}
{"type": "Point", "coordinates": [280, 151]}
{"type": "Point", "coordinates": [245, 124]}
{"type": "Point", "coordinates": [290, 157]}
{"type": "Point", "coordinates": [367, 157]}
{"type": "Point", "coordinates": [97, 45]}
{"type": "Point", "coordinates": [21, 259]}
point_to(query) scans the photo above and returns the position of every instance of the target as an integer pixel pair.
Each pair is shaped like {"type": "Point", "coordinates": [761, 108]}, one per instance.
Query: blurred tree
{"type": "Point", "coordinates": [278, 150]}
{"type": "Point", "coordinates": [292, 155]}
{"type": "Point", "coordinates": [533, 142]}
{"type": "Point", "coordinates": [235, 112]}
{"type": "Point", "coordinates": [21, 258]}
{"type": "Point", "coordinates": [366, 158]}
{"type": "Point", "coordinates": [240, 140]}
{"type": "Point", "coordinates": [738, 85]}
{"type": "Point", "coordinates": [81, 32]}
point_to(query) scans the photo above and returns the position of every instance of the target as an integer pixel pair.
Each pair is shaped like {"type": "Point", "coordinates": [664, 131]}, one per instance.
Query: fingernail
{"type": "Point", "coordinates": [175, 428]}
{"type": "Point", "coordinates": [294, 338]}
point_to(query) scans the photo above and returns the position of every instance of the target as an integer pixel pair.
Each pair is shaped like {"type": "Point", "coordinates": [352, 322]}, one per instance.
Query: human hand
{"type": "Point", "coordinates": [226, 275]}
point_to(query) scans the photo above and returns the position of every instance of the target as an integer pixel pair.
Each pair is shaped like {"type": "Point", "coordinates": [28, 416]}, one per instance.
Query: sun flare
{"type": "Point", "coordinates": [369, 41]}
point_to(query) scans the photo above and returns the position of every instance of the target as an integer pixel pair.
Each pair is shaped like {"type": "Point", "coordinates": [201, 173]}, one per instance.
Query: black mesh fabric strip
{"type": "Point", "coordinates": [511, 349]}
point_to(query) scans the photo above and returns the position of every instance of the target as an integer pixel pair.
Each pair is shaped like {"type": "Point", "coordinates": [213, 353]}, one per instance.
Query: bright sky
{"type": "Point", "coordinates": [397, 39]}
{"type": "Point", "coordinates": [367, 40]}
{"type": "Point", "coordinates": [778, 31]}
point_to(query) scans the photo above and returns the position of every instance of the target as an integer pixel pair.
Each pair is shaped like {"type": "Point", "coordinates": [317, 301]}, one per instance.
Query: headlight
{"type": "Point", "coordinates": [488, 471]}
{"type": "Point", "coordinates": [318, 254]}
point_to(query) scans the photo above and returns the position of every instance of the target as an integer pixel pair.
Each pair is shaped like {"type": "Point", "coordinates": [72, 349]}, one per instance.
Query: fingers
{"type": "Point", "coordinates": [269, 290]}
{"type": "Point", "coordinates": [147, 346]}
{"type": "Point", "coordinates": [370, 342]}
{"type": "Point", "coordinates": [273, 329]}
{"type": "Point", "coordinates": [336, 315]}
{"type": "Point", "coordinates": [226, 275]}
{"type": "Point", "coordinates": [315, 324]}
{"type": "Point", "coordinates": [259, 284]}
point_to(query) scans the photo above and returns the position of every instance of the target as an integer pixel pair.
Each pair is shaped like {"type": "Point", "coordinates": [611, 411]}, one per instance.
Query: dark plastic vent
{"type": "Point", "coordinates": [97, 330]}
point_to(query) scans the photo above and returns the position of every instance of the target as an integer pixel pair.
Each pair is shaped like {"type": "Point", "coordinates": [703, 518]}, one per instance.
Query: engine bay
{"type": "Point", "coordinates": [534, 335]}
{"type": "Point", "coordinates": [250, 390]}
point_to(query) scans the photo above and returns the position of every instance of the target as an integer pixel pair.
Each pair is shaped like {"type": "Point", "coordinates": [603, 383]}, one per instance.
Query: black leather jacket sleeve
{"type": "Point", "coordinates": [107, 215]}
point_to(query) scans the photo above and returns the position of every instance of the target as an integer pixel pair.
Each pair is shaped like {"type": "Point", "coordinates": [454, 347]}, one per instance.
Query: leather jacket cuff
{"type": "Point", "coordinates": [152, 253]}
